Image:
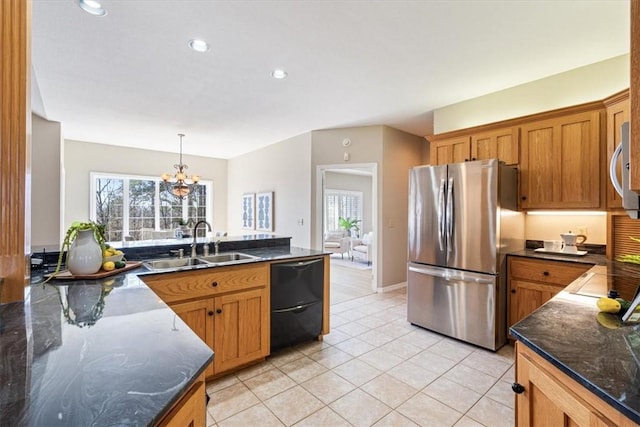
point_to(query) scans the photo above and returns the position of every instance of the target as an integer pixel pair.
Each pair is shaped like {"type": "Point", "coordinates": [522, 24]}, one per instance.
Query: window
{"type": "Point", "coordinates": [137, 206]}
{"type": "Point", "coordinates": [341, 203]}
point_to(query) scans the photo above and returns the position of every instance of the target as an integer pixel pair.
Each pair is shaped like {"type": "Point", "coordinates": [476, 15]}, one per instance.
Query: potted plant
{"type": "Point", "coordinates": [84, 243]}
{"type": "Point", "coordinates": [349, 224]}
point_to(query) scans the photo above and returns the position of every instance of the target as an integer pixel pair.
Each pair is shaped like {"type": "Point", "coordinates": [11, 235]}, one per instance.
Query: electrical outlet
{"type": "Point", "coordinates": [581, 229]}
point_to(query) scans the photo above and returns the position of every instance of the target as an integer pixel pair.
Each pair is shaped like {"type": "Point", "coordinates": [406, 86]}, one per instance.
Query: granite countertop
{"type": "Point", "coordinates": [565, 332]}
{"type": "Point", "coordinates": [100, 352]}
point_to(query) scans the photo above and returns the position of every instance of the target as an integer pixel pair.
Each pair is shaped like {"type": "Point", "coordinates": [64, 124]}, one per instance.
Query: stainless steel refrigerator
{"type": "Point", "coordinates": [463, 220]}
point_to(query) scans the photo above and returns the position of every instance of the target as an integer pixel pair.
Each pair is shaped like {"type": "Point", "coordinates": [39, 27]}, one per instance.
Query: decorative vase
{"type": "Point", "coordinates": [85, 254]}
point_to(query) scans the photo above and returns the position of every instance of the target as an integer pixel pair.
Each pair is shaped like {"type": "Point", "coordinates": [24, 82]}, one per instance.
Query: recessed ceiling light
{"type": "Point", "coordinates": [92, 7]}
{"type": "Point", "coordinates": [279, 74]}
{"type": "Point", "coordinates": [199, 45]}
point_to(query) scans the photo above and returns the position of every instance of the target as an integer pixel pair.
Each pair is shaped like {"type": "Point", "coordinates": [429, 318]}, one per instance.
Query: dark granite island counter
{"type": "Point", "coordinates": [101, 353]}
{"type": "Point", "coordinates": [566, 333]}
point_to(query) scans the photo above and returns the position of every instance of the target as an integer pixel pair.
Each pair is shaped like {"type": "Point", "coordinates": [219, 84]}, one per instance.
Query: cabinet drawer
{"type": "Point", "coordinates": [187, 285]}
{"type": "Point", "coordinates": [553, 272]}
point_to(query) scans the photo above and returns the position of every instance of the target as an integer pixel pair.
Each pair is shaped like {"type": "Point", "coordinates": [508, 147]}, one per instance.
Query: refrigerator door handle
{"type": "Point", "coordinates": [450, 215]}
{"type": "Point", "coordinates": [441, 225]}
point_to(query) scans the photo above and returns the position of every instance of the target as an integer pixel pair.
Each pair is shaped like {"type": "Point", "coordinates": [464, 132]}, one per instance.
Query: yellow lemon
{"type": "Point", "coordinates": [106, 253]}
{"type": "Point", "coordinates": [108, 266]}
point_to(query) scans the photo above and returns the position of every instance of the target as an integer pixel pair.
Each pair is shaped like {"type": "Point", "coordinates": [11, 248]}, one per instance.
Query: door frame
{"type": "Point", "coordinates": [373, 168]}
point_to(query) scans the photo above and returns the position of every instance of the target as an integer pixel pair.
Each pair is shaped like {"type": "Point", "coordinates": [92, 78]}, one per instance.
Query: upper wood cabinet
{"type": "Point", "coordinates": [617, 113]}
{"type": "Point", "coordinates": [560, 162]}
{"type": "Point", "coordinates": [634, 97]}
{"type": "Point", "coordinates": [454, 150]}
{"type": "Point", "coordinates": [501, 144]}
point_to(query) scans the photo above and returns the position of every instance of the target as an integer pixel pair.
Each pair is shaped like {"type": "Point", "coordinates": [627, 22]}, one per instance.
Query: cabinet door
{"type": "Point", "coordinates": [527, 297]}
{"type": "Point", "coordinates": [191, 410]}
{"type": "Point", "coordinates": [560, 162]}
{"type": "Point", "coordinates": [501, 144]}
{"type": "Point", "coordinates": [617, 114]}
{"type": "Point", "coordinates": [199, 316]}
{"type": "Point", "coordinates": [242, 328]}
{"type": "Point", "coordinates": [546, 401]}
{"type": "Point", "coordinates": [454, 150]}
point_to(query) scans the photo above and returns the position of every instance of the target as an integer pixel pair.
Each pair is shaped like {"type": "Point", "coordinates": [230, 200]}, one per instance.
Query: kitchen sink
{"type": "Point", "coordinates": [163, 264]}
{"type": "Point", "coordinates": [179, 263]}
{"type": "Point", "coordinates": [227, 257]}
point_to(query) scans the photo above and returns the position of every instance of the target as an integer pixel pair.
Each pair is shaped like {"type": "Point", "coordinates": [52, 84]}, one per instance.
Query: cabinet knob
{"type": "Point", "coordinates": [545, 273]}
{"type": "Point", "coordinates": [210, 312]}
{"type": "Point", "coordinates": [473, 158]}
{"type": "Point", "coordinates": [513, 291]}
{"type": "Point", "coordinates": [517, 388]}
{"type": "Point", "coordinates": [219, 311]}
{"type": "Point", "coordinates": [524, 197]}
{"type": "Point", "coordinates": [214, 284]}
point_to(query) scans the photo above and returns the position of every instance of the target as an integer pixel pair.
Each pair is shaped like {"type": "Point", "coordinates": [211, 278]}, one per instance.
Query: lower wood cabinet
{"type": "Point", "coordinates": [545, 396]}
{"type": "Point", "coordinates": [532, 282]}
{"type": "Point", "coordinates": [191, 409]}
{"type": "Point", "coordinates": [227, 307]}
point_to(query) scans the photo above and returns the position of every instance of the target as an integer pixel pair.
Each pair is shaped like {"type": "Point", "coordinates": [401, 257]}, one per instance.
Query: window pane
{"type": "Point", "coordinates": [345, 204]}
{"type": "Point", "coordinates": [109, 207]}
{"type": "Point", "coordinates": [141, 206]}
{"type": "Point", "coordinates": [197, 208]}
{"type": "Point", "coordinates": [170, 208]}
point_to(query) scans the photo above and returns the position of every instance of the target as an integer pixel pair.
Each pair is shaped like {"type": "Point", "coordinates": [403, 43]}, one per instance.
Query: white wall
{"type": "Point", "coordinates": [82, 158]}
{"type": "Point", "coordinates": [590, 83]}
{"type": "Point", "coordinates": [549, 227]}
{"type": "Point", "coordinates": [283, 168]}
{"type": "Point", "coordinates": [46, 157]}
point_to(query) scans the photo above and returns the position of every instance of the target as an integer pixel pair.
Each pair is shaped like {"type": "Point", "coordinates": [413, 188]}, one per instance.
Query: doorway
{"type": "Point", "coordinates": [350, 191]}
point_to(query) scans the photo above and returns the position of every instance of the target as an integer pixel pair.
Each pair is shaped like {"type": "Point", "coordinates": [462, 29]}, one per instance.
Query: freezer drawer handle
{"type": "Point", "coordinates": [449, 277]}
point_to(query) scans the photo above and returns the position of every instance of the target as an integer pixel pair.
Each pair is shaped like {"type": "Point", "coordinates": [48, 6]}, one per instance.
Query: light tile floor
{"type": "Point", "coordinates": [373, 369]}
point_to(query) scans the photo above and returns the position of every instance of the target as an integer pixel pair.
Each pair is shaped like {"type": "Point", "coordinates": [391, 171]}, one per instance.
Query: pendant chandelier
{"type": "Point", "coordinates": [181, 186]}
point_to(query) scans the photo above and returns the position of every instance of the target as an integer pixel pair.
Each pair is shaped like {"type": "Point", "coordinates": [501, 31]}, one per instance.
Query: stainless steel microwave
{"type": "Point", "coordinates": [630, 199]}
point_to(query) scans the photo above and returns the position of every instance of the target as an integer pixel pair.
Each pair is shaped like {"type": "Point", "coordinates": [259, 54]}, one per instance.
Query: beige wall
{"type": "Point", "coordinates": [401, 152]}
{"type": "Point", "coordinates": [590, 83]}
{"type": "Point", "coordinates": [82, 158]}
{"type": "Point", "coordinates": [283, 168]}
{"type": "Point", "coordinates": [390, 153]}
{"type": "Point", "coordinates": [46, 196]}
{"type": "Point", "coordinates": [352, 182]}
{"type": "Point", "coordinates": [549, 227]}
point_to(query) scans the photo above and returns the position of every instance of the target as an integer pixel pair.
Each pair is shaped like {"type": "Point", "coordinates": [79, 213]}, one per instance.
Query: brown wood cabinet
{"type": "Point", "coordinates": [502, 144]}
{"type": "Point", "coordinates": [532, 282]}
{"type": "Point", "coordinates": [617, 113]}
{"type": "Point", "coordinates": [560, 162]}
{"type": "Point", "coordinates": [454, 150]}
{"type": "Point", "coordinates": [227, 307]}
{"type": "Point", "coordinates": [634, 96]}
{"type": "Point", "coordinates": [548, 397]}
{"type": "Point", "coordinates": [190, 410]}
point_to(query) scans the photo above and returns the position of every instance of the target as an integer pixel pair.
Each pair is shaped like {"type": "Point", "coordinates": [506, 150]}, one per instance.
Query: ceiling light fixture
{"type": "Point", "coordinates": [92, 7]}
{"type": "Point", "coordinates": [181, 187]}
{"type": "Point", "coordinates": [279, 74]}
{"type": "Point", "coordinates": [198, 45]}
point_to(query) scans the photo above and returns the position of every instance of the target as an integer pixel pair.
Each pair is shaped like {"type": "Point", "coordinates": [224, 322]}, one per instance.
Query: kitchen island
{"type": "Point", "coordinates": [103, 352]}
{"type": "Point", "coordinates": [568, 351]}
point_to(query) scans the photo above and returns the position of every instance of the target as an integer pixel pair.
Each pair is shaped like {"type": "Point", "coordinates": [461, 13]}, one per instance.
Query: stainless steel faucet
{"type": "Point", "coordinates": [217, 246]}
{"type": "Point", "coordinates": [195, 227]}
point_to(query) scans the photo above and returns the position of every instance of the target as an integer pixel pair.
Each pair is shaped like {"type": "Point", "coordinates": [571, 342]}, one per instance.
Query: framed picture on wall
{"type": "Point", "coordinates": [264, 211]}
{"type": "Point", "coordinates": [248, 211]}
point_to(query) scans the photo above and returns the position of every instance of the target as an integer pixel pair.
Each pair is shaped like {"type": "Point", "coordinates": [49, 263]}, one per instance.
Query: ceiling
{"type": "Point", "coordinates": [130, 79]}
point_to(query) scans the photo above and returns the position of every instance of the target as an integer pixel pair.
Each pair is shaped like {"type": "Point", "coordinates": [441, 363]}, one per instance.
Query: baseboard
{"type": "Point", "coordinates": [391, 287]}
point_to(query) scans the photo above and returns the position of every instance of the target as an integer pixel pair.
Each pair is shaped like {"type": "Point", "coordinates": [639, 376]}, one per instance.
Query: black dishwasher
{"type": "Point", "coordinates": [296, 301]}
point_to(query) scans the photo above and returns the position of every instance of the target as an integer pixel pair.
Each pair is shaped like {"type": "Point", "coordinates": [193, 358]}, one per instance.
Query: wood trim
{"type": "Point", "coordinates": [574, 109]}
{"type": "Point", "coordinates": [616, 97]}
{"type": "Point", "coordinates": [15, 135]}
{"type": "Point", "coordinates": [634, 97]}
